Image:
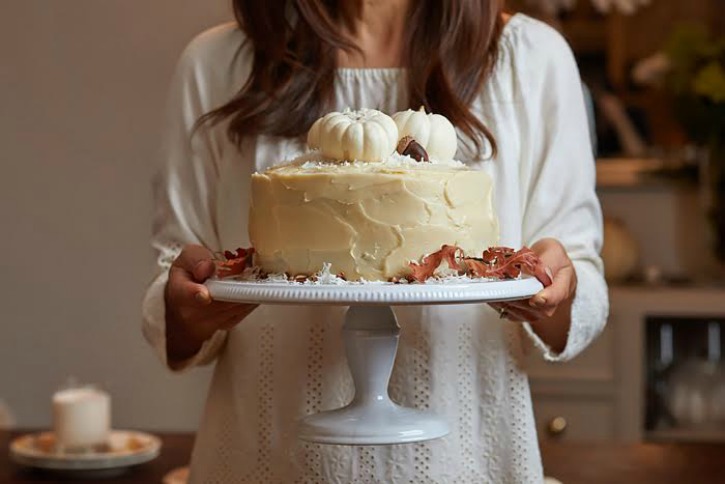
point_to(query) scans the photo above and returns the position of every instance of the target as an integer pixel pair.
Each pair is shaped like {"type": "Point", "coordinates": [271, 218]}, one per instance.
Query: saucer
{"type": "Point", "coordinates": [124, 448]}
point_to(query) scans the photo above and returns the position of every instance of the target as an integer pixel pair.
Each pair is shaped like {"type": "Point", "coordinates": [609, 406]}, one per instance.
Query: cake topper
{"type": "Point", "coordinates": [364, 135]}
{"type": "Point", "coordinates": [433, 131]}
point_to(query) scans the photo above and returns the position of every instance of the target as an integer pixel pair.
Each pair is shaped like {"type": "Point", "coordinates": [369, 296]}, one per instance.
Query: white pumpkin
{"type": "Point", "coordinates": [364, 135]}
{"type": "Point", "coordinates": [434, 132]}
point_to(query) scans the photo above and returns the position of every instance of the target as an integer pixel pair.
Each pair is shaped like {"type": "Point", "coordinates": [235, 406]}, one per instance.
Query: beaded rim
{"type": "Point", "coordinates": [373, 293]}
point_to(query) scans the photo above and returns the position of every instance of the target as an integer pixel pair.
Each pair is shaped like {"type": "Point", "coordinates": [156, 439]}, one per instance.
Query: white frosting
{"type": "Point", "coordinates": [369, 220]}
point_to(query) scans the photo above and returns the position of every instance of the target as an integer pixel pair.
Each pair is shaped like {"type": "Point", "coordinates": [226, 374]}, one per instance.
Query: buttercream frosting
{"type": "Point", "coordinates": [368, 220]}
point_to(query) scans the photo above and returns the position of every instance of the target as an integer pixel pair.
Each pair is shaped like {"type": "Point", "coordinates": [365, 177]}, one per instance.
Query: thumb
{"type": "Point", "coordinates": [196, 260]}
{"type": "Point", "coordinates": [557, 292]}
{"type": "Point", "coordinates": [203, 270]}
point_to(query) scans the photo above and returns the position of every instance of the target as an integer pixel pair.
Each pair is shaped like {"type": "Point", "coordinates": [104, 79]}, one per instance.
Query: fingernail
{"type": "Point", "coordinates": [547, 269]}
{"type": "Point", "coordinates": [201, 297]}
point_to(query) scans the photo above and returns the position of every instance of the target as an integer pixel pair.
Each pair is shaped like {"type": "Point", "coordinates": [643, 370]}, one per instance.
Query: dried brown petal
{"type": "Point", "coordinates": [496, 262]}
{"type": "Point", "coordinates": [235, 263]}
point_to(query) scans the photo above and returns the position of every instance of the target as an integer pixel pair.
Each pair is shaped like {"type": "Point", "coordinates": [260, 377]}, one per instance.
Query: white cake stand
{"type": "Point", "coordinates": [370, 335]}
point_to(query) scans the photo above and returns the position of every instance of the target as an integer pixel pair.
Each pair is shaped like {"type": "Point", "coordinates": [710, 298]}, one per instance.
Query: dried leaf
{"type": "Point", "coordinates": [505, 263]}
{"type": "Point", "coordinates": [235, 263]}
{"type": "Point", "coordinates": [426, 268]}
{"type": "Point", "coordinates": [495, 262]}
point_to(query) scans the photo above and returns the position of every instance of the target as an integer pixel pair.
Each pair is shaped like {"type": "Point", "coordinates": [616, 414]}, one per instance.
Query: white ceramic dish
{"type": "Point", "coordinates": [125, 449]}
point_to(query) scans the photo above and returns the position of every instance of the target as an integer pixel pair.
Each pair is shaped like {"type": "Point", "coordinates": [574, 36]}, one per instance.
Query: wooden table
{"type": "Point", "coordinates": [570, 463]}
{"type": "Point", "coordinates": [635, 463]}
{"type": "Point", "coordinates": [175, 452]}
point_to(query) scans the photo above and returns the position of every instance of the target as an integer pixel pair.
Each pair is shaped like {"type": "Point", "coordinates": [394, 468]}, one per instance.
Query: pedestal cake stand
{"type": "Point", "coordinates": [370, 336]}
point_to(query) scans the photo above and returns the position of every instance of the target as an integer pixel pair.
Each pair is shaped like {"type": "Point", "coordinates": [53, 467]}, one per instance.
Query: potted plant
{"type": "Point", "coordinates": [696, 81]}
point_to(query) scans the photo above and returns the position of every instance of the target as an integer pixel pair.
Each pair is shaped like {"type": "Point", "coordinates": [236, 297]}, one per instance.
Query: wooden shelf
{"type": "Point", "coordinates": [637, 173]}
{"type": "Point", "coordinates": [687, 435]}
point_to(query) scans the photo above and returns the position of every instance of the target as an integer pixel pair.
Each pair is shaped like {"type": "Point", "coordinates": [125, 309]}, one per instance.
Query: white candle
{"type": "Point", "coordinates": [81, 418]}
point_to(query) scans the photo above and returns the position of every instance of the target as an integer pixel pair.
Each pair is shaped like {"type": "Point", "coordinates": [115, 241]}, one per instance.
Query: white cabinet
{"type": "Point", "coordinates": [600, 394]}
{"type": "Point", "coordinates": [574, 418]}
{"type": "Point", "coordinates": [576, 401]}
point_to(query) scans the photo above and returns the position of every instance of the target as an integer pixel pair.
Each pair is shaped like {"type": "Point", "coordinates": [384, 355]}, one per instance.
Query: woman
{"type": "Point", "coordinates": [511, 87]}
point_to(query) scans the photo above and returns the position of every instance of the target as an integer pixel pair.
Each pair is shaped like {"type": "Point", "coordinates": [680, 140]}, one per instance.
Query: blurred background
{"type": "Point", "coordinates": [653, 72]}
{"type": "Point", "coordinates": [83, 85]}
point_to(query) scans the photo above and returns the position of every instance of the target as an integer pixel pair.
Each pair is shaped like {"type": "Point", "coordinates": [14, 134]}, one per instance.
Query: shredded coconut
{"type": "Point", "coordinates": [313, 161]}
{"type": "Point", "coordinates": [277, 277]}
{"type": "Point", "coordinates": [325, 277]}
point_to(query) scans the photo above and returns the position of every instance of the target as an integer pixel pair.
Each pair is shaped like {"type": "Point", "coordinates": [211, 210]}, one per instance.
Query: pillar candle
{"type": "Point", "coordinates": [81, 418]}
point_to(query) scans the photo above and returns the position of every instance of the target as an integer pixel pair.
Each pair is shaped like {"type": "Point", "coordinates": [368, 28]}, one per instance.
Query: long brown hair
{"type": "Point", "coordinates": [451, 48]}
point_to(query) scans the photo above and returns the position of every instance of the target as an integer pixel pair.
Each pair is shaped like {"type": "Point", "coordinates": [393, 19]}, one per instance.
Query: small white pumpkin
{"type": "Point", "coordinates": [433, 131]}
{"type": "Point", "coordinates": [364, 135]}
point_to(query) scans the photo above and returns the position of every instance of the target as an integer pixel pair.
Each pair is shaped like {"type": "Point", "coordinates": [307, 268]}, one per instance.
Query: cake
{"type": "Point", "coordinates": [368, 201]}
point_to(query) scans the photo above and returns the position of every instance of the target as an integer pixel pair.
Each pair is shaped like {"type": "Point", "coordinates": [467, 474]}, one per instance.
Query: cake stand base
{"type": "Point", "coordinates": [380, 423]}
{"type": "Point", "coordinates": [370, 334]}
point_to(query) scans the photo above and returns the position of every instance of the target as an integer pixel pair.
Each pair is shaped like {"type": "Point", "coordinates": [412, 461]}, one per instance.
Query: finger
{"type": "Point", "coordinates": [550, 297]}
{"type": "Point", "coordinates": [208, 320]}
{"type": "Point", "coordinates": [191, 256]}
{"type": "Point", "coordinates": [523, 312]}
{"type": "Point", "coordinates": [516, 311]}
{"type": "Point", "coordinates": [510, 314]}
{"type": "Point", "coordinates": [184, 289]}
{"type": "Point", "coordinates": [552, 256]}
{"type": "Point", "coordinates": [234, 319]}
{"type": "Point", "coordinates": [224, 320]}
{"type": "Point", "coordinates": [523, 306]}
{"type": "Point", "coordinates": [203, 270]}
{"type": "Point", "coordinates": [498, 307]}
{"type": "Point", "coordinates": [543, 273]}
{"type": "Point", "coordinates": [223, 309]}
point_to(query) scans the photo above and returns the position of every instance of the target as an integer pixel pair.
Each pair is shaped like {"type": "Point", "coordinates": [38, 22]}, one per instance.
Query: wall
{"type": "Point", "coordinates": [82, 87]}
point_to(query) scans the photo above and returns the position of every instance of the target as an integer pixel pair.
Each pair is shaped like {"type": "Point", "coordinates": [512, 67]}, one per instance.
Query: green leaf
{"type": "Point", "coordinates": [709, 82]}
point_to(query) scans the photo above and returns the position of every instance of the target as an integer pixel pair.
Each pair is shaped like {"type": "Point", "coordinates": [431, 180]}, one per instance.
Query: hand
{"type": "Point", "coordinates": [548, 311]}
{"type": "Point", "coordinates": [192, 317]}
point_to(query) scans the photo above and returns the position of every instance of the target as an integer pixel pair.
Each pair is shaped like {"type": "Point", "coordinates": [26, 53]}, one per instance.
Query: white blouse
{"type": "Point", "coordinates": [463, 362]}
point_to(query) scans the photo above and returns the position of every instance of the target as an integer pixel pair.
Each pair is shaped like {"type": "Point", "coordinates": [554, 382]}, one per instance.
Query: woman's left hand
{"type": "Point", "coordinates": [548, 311]}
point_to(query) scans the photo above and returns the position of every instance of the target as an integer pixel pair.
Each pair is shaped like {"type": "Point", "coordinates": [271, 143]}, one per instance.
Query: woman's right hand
{"type": "Point", "coordinates": [192, 317]}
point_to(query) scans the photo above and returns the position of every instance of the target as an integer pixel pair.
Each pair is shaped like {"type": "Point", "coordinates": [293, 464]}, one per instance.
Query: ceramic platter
{"type": "Point", "coordinates": [373, 294]}
{"type": "Point", "coordinates": [125, 449]}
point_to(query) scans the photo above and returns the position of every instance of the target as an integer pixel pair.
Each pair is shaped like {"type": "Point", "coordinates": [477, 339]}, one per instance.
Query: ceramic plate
{"type": "Point", "coordinates": [125, 448]}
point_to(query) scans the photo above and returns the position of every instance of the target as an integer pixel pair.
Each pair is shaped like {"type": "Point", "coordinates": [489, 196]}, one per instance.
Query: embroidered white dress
{"type": "Point", "coordinates": [463, 362]}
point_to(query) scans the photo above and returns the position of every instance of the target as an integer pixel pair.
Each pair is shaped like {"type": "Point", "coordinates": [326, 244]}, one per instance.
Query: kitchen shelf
{"type": "Point", "coordinates": [643, 174]}
{"type": "Point", "coordinates": [686, 435]}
